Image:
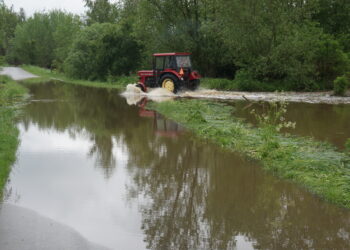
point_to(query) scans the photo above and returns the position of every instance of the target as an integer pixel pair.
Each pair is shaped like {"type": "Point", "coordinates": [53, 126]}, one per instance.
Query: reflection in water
{"type": "Point", "coordinates": [161, 188]}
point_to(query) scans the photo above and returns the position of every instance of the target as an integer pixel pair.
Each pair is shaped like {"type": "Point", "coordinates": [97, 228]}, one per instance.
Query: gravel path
{"type": "Point", "coordinates": [16, 73]}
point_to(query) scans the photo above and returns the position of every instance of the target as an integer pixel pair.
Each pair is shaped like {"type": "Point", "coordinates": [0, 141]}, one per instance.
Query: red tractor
{"type": "Point", "coordinates": [172, 71]}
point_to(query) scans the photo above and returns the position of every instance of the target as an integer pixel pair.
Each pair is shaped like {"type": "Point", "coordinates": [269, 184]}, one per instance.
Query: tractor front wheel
{"type": "Point", "coordinates": [170, 83]}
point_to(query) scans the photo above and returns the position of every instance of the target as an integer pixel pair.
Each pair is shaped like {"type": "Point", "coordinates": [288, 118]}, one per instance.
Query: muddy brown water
{"type": "Point", "coordinates": [323, 122]}
{"type": "Point", "coordinates": [126, 178]}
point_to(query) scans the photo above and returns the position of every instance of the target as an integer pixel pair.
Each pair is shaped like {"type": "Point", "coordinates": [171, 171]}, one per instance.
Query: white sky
{"type": "Point", "coordinates": [31, 6]}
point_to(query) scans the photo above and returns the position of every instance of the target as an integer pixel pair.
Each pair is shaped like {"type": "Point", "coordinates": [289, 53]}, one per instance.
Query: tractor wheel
{"type": "Point", "coordinates": [170, 83]}
{"type": "Point", "coordinates": [193, 85]}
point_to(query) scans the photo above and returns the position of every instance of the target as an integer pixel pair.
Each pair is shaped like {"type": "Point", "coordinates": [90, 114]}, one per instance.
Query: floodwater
{"type": "Point", "coordinates": [322, 122]}
{"type": "Point", "coordinates": [126, 178]}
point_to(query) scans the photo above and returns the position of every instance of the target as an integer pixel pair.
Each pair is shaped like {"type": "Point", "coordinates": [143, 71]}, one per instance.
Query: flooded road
{"type": "Point", "coordinates": [126, 178]}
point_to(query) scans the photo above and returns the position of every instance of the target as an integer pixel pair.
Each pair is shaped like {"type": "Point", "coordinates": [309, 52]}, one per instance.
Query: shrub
{"type": "Point", "coordinates": [2, 60]}
{"type": "Point", "coordinates": [219, 83]}
{"type": "Point", "coordinates": [102, 50]}
{"type": "Point", "coordinates": [341, 84]}
{"type": "Point", "coordinates": [347, 144]}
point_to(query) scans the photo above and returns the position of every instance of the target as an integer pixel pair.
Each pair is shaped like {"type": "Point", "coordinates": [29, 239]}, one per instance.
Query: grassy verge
{"type": "Point", "coordinates": [316, 166]}
{"type": "Point", "coordinates": [11, 94]}
{"type": "Point", "coordinates": [46, 75]}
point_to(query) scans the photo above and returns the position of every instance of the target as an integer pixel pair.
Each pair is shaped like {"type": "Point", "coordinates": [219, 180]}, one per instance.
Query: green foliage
{"type": "Point", "coordinates": [270, 122]}
{"type": "Point", "coordinates": [46, 75]}
{"type": "Point", "coordinates": [8, 22]}
{"type": "Point", "coordinates": [163, 26]}
{"type": "Point", "coordinates": [331, 61]}
{"type": "Point", "coordinates": [266, 45]}
{"type": "Point", "coordinates": [10, 94]}
{"type": "Point", "coordinates": [275, 45]}
{"type": "Point", "coordinates": [333, 16]}
{"type": "Point", "coordinates": [219, 83]}
{"type": "Point", "coordinates": [347, 145]}
{"type": "Point", "coordinates": [44, 39]}
{"type": "Point", "coordinates": [2, 60]}
{"type": "Point", "coordinates": [341, 84]}
{"type": "Point", "coordinates": [101, 50]}
{"type": "Point", "coordinates": [314, 165]}
{"type": "Point", "coordinates": [101, 11]}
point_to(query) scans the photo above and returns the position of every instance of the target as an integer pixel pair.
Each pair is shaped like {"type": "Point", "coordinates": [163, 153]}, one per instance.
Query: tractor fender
{"type": "Point", "coordinates": [172, 72]}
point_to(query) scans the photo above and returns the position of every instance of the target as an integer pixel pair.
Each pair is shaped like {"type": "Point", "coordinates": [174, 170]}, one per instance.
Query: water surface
{"type": "Point", "coordinates": [126, 178]}
{"type": "Point", "coordinates": [323, 122]}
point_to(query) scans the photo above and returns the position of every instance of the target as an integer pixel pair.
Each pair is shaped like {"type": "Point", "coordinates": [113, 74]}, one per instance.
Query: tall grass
{"type": "Point", "coordinates": [46, 75]}
{"type": "Point", "coordinates": [219, 83]}
{"type": "Point", "coordinates": [11, 93]}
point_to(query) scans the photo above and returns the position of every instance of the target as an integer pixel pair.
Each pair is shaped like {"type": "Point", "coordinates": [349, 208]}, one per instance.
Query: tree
{"type": "Point", "coordinates": [276, 43]}
{"type": "Point", "coordinates": [8, 22]}
{"type": "Point", "coordinates": [44, 39]}
{"type": "Point", "coordinates": [101, 11]}
{"type": "Point", "coordinates": [101, 50]}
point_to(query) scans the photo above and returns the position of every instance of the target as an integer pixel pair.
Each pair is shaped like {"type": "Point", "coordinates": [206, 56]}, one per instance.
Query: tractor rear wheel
{"type": "Point", "coordinates": [170, 83]}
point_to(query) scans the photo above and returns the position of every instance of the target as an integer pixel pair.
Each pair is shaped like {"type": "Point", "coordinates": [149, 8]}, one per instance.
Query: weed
{"type": "Point", "coordinates": [340, 85]}
{"type": "Point", "coordinates": [270, 123]}
{"type": "Point", "coordinates": [10, 94]}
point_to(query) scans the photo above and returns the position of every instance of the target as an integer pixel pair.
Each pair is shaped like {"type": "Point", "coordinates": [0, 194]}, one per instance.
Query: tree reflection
{"type": "Point", "coordinates": [94, 113]}
{"type": "Point", "coordinates": [195, 195]}
{"type": "Point", "coordinates": [199, 197]}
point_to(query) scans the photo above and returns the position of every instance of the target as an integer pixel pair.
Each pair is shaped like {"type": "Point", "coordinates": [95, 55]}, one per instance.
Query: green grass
{"type": "Point", "coordinates": [11, 94]}
{"type": "Point", "coordinates": [219, 83]}
{"type": "Point", "coordinates": [317, 166]}
{"type": "Point", "coordinates": [46, 75]}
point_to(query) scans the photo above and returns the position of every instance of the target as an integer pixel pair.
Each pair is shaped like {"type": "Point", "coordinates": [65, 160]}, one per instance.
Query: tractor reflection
{"type": "Point", "coordinates": [162, 127]}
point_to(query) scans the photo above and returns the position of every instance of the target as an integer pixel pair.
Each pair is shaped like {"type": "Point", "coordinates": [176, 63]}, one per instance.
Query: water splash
{"type": "Point", "coordinates": [134, 94]}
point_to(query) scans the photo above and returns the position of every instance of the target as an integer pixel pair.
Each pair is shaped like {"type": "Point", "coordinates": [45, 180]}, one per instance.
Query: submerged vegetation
{"type": "Point", "coordinates": [317, 166]}
{"type": "Point", "coordinates": [11, 94]}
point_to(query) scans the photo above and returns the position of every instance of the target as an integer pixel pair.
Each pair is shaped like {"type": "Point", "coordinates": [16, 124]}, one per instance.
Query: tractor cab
{"type": "Point", "coordinates": [172, 71]}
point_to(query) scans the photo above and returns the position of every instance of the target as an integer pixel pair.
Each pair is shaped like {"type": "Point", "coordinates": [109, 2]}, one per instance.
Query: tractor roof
{"type": "Point", "coordinates": [172, 54]}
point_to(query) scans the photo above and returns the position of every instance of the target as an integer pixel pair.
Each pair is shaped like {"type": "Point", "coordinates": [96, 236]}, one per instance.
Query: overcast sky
{"type": "Point", "coordinates": [30, 6]}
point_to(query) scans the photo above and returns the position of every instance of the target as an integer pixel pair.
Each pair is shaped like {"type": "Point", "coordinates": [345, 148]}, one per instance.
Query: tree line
{"type": "Point", "coordinates": [261, 44]}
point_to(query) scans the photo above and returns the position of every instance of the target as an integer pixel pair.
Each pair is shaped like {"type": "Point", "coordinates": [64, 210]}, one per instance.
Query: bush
{"type": "Point", "coordinates": [219, 83]}
{"type": "Point", "coordinates": [2, 60]}
{"type": "Point", "coordinates": [101, 51]}
{"type": "Point", "coordinates": [340, 85]}
{"type": "Point", "coordinates": [246, 82]}
{"type": "Point", "coordinates": [347, 144]}
{"type": "Point", "coordinates": [330, 60]}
